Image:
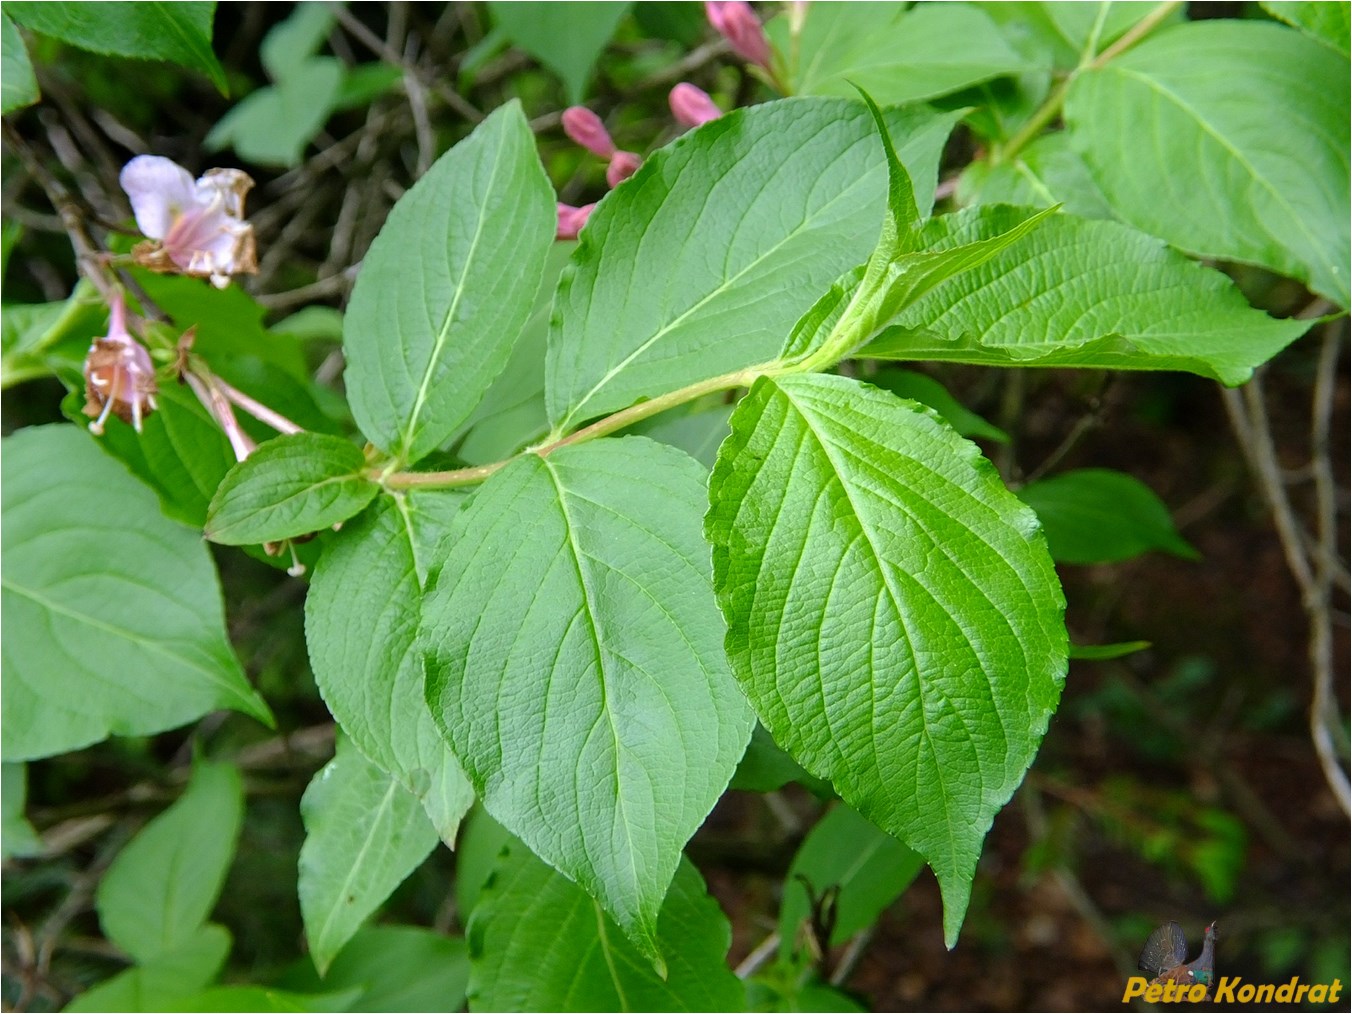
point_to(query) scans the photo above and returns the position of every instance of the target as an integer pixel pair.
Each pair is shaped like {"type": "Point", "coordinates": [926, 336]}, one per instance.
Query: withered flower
{"type": "Point", "coordinates": [119, 376]}
{"type": "Point", "coordinates": [195, 228]}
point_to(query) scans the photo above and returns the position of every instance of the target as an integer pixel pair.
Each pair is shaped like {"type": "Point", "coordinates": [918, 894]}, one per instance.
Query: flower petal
{"type": "Point", "coordinates": [160, 190]}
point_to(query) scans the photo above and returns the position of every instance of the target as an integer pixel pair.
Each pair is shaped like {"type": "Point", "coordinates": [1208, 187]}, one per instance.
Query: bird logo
{"type": "Point", "coordinates": [1165, 957]}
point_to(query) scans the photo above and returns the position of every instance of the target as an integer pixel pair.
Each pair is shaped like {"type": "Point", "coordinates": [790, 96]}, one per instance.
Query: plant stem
{"type": "Point", "coordinates": [600, 428]}
{"type": "Point", "coordinates": [1052, 107]}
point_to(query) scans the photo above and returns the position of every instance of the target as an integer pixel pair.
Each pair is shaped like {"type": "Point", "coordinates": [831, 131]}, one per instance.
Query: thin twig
{"type": "Point", "coordinates": [754, 961]}
{"type": "Point", "coordinates": [377, 45]}
{"type": "Point", "coordinates": [1248, 418]}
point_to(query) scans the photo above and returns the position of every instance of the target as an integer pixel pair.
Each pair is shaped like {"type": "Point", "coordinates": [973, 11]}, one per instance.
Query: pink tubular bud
{"type": "Point", "coordinates": [571, 220]}
{"type": "Point", "coordinates": [586, 129]}
{"type": "Point", "coordinates": [623, 164]}
{"type": "Point", "coordinates": [692, 106]}
{"type": "Point", "coordinates": [737, 22]}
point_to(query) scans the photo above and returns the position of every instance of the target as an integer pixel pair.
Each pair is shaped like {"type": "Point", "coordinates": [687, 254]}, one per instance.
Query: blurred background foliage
{"type": "Point", "coordinates": [1176, 783]}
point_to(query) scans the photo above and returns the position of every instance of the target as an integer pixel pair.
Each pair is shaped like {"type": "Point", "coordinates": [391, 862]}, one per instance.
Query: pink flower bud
{"type": "Point", "coordinates": [737, 22]}
{"type": "Point", "coordinates": [571, 220]}
{"type": "Point", "coordinates": [119, 376]}
{"type": "Point", "coordinates": [586, 129]}
{"type": "Point", "coordinates": [692, 106]}
{"type": "Point", "coordinates": [623, 164]}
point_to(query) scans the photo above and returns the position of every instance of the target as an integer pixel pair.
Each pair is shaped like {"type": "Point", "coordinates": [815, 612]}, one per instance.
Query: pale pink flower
{"type": "Point", "coordinates": [585, 128]}
{"type": "Point", "coordinates": [692, 106]}
{"type": "Point", "coordinates": [571, 220]}
{"type": "Point", "coordinates": [197, 228]}
{"type": "Point", "coordinates": [119, 376]}
{"type": "Point", "coordinates": [737, 22]}
{"type": "Point", "coordinates": [623, 164]}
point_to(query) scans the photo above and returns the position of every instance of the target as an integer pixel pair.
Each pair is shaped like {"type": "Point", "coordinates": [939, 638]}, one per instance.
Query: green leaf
{"type": "Point", "coordinates": [928, 391]}
{"type": "Point", "coordinates": [1327, 22]}
{"type": "Point", "coordinates": [1105, 652]}
{"type": "Point", "coordinates": [164, 883]}
{"type": "Point", "coordinates": [17, 837]}
{"type": "Point", "coordinates": [574, 663]}
{"type": "Point", "coordinates": [447, 287]}
{"type": "Point", "coordinates": [537, 942]}
{"type": "Point", "coordinates": [364, 833]}
{"type": "Point", "coordinates": [294, 485]}
{"type": "Point", "coordinates": [1228, 139]}
{"type": "Point", "coordinates": [702, 262]}
{"type": "Point", "coordinates": [114, 612]}
{"type": "Point", "coordinates": [895, 55]}
{"type": "Point", "coordinates": [482, 843]}
{"type": "Point", "coordinates": [862, 868]}
{"type": "Point", "coordinates": [177, 32]}
{"type": "Point", "coordinates": [275, 124]}
{"type": "Point", "coordinates": [397, 968]}
{"type": "Point", "coordinates": [512, 413]}
{"type": "Point", "coordinates": [1098, 515]}
{"type": "Point", "coordinates": [1048, 171]}
{"type": "Point", "coordinates": [893, 613]}
{"type": "Point", "coordinates": [899, 273]}
{"type": "Point", "coordinates": [1081, 293]}
{"type": "Point", "coordinates": [287, 47]}
{"type": "Point", "coordinates": [186, 454]}
{"type": "Point", "coordinates": [361, 620]}
{"type": "Point", "coordinates": [18, 86]}
{"type": "Point", "coordinates": [159, 983]}
{"type": "Point", "coordinates": [568, 39]}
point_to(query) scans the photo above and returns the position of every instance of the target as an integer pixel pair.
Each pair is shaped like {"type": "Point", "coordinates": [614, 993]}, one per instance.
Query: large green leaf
{"type": "Point", "coordinates": [446, 287]}
{"type": "Point", "coordinates": [163, 885]}
{"type": "Point", "coordinates": [18, 86]}
{"type": "Point", "coordinates": [893, 613]}
{"type": "Point", "coordinates": [850, 865]}
{"type": "Point", "coordinates": [294, 485]}
{"type": "Point", "coordinates": [1228, 139]}
{"type": "Point", "coordinates": [1082, 293]}
{"type": "Point", "coordinates": [364, 833]}
{"type": "Point", "coordinates": [177, 32]}
{"type": "Point", "coordinates": [538, 943]}
{"type": "Point", "coordinates": [895, 55]}
{"type": "Point", "coordinates": [574, 662]}
{"type": "Point", "coordinates": [361, 620]}
{"type": "Point", "coordinates": [1097, 515]}
{"type": "Point", "coordinates": [158, 984]}
{"type": "Point", "coordinates": [566, 38]}
{"type": "Point", "coordinates": [114, 615]}
{"type": "Point", "coordinates": [704, 259]}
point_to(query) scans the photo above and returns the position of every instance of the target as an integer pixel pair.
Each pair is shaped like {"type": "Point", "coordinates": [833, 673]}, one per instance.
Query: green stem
{"type": "Point", "coordinates": [1052, 107]}
{"type": "Point", "coordinates": [601, 428]}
